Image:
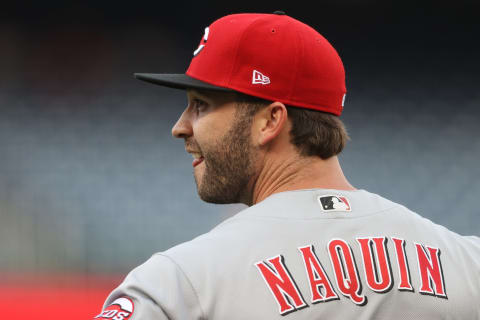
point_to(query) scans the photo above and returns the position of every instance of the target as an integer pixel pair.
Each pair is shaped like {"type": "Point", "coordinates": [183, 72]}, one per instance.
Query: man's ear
{"type": "Point", "coordinates": [269, 122]}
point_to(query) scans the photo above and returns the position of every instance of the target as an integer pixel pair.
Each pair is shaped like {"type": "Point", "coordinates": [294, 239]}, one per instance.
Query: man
{"type": "Point", "coordinates": [264, 95]}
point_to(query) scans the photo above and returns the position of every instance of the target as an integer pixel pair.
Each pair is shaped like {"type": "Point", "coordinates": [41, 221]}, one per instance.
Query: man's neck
{"type": "Point", "coordinates": [279, 175]}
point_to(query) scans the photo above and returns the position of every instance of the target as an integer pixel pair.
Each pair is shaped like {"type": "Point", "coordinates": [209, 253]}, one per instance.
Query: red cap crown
{"type": "Point", "coordinates": [274, 57]}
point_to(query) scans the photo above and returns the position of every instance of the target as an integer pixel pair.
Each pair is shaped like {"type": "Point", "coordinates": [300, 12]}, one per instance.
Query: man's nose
{"type": "Point", "coordinates": [183, 127]}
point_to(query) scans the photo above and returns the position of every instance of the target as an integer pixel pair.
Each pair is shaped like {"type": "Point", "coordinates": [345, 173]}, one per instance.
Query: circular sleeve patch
{"type": "Point", "coordinates": [120, 309]}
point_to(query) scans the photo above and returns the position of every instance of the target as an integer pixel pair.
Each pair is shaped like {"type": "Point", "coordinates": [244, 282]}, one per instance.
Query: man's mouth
{"type": "Point", "coordinates": [197, 159]}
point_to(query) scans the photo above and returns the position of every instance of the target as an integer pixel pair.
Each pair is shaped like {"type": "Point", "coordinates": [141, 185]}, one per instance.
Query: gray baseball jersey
{"type": "Point", "coordinates": [310, 254]}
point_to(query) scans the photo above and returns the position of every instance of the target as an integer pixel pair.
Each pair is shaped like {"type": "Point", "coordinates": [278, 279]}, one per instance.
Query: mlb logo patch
{"type": "Point", "coordinates": [334, 203]}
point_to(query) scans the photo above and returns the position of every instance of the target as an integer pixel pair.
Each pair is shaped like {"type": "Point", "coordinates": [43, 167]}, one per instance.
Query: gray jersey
{"type": "Point", "coordinates": [310, 254]}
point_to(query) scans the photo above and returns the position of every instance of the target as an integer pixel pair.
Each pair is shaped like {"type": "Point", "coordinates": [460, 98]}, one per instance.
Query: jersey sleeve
{"type": "Point", "coordinates": [157, 289]}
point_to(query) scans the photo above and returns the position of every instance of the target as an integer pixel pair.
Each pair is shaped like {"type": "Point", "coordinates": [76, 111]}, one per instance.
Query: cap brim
{"type": "Point", "coordinates": [177, 81]}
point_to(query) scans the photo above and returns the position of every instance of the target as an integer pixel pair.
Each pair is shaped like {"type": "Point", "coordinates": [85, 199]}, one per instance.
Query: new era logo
{"type": "Point", "coordinates": [334, 203]}
{"type": "Point", "coordinates": [259, 78]}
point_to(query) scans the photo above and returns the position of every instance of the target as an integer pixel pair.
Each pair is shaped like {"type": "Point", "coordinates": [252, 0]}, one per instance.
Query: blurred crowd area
{"type": "Point", "coordinates": [93, 182]}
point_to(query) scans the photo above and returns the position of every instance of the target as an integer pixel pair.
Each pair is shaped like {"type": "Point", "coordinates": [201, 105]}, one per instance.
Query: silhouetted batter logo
{"type": "Point", "coordinates": [332, 203]}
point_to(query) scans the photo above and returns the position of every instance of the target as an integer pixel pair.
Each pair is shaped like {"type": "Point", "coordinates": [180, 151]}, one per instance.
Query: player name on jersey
{"type": "Point", "coordinates": [377, 273]}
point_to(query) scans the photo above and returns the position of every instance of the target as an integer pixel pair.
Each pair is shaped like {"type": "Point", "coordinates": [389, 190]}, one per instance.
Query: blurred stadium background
{"type": "Point", "coordinates": [92, 183]}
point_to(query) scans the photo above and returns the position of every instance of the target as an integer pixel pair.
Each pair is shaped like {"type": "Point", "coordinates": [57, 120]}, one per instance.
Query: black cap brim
{"type": "Point", "coordinates": [177, 81]}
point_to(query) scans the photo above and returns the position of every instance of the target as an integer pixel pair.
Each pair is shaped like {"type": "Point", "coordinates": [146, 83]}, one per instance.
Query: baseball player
{"type": "Point", "coordinates": [265, 93]}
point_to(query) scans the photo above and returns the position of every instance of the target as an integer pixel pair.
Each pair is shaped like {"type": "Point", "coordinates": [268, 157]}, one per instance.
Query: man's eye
{"type": "Point", "coordinates": [199, 105]}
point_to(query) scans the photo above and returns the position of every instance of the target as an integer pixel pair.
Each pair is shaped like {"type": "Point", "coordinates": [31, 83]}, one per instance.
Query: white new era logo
{"type": "Point", "coordinates": [258, 77]}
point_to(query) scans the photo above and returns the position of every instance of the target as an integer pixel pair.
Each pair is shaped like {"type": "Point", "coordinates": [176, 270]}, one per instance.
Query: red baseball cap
{"type": "Point", "coordinates": [270, 56]}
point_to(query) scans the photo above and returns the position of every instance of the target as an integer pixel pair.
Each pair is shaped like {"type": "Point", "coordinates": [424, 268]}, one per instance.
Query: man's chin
{"type": "Point", "coordinates": [198, 176]}
{"type": "Point", "coordinates": [212, 197]}
{"type": "Point", "coordinates": [214, 200]}
{"type": "Point", "coordinates": [207, 197]}
{"type": "Point", "coordinates": [217, 198]}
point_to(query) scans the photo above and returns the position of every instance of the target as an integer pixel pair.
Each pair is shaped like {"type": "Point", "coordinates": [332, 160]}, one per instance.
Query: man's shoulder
{"type": "Point", "coordinates": [289, 211]}
{"type": "Point", "coordinates": [270, 222]}
{"type": "Point", "coordinates": [227, 233]}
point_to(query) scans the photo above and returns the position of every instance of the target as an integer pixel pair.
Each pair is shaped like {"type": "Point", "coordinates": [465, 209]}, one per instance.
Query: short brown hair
{"type": "Point", "coordinates": [313, 133]}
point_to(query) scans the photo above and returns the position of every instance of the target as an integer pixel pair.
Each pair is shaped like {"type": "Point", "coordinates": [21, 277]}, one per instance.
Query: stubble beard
{"type": "Point", "coordinates": [229, 166]}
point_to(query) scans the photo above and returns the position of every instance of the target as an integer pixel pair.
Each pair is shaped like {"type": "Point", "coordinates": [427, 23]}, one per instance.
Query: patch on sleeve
{"type": "Point", "coordinates": [120, 309]}
{"type": "Point", "coordinates": [334, 203]}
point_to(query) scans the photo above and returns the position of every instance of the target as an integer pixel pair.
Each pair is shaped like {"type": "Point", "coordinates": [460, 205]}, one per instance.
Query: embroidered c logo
{"type": "Point", "coordinates": [204, 42]}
